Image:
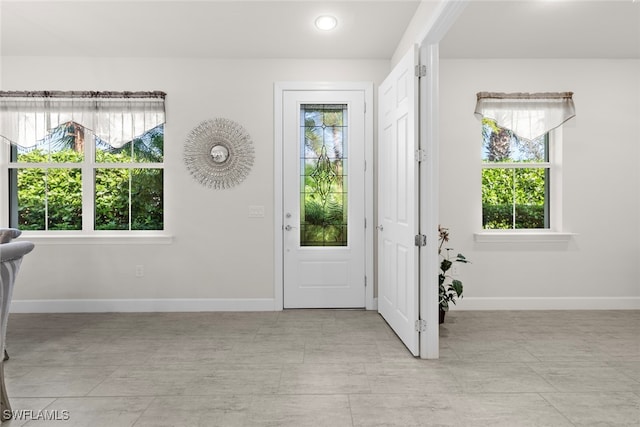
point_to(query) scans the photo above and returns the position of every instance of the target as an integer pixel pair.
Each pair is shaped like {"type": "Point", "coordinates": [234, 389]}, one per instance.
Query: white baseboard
{"type": "Point", "coordinates": [268, 304]}
{"type": "Point", "coordinates": [141, 305]}
{"type": "Point", "coordinates": [560, 303]}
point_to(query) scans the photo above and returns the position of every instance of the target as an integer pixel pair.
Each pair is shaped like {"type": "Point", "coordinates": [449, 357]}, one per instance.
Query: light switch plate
{"type": "Point", "coordinates": [256, 211]}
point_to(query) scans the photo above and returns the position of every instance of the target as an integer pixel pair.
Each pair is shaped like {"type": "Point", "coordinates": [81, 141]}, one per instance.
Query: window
{"type": "Point", "coordinates": [92, 164]}
{"type": "Point", "coordinates": [521, 157]}
{"type": "Point", "coordinates": [516, 178]}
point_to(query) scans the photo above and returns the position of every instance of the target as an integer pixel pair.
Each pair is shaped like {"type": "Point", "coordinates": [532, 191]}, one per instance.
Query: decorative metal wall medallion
{"type": "Point", "coordinates": [219, 153]}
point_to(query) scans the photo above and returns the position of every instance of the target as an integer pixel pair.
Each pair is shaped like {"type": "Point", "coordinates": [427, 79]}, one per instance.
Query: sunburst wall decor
{"type": "Point", "coordinates": [219, 153]}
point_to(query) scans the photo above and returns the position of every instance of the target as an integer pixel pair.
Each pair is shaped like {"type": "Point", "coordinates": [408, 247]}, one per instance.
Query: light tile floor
{"type": "Point", "coordinates": [323, 368]}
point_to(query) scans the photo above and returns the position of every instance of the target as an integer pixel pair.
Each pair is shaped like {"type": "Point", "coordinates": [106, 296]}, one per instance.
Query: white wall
{"type": "Point", "coordinates": [597, 268]}
{"type": "Point", "coordinates": [220, 258]}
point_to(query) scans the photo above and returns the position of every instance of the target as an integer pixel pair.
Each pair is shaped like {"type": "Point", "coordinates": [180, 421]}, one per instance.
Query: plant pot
{"type": "Point", "coordinates": [442, 313]}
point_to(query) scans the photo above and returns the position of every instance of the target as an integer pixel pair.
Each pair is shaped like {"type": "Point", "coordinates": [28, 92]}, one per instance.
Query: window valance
{"type": "Point", "coordinates": [528, 115]}
{"type": "Point", "coordinates": [115, 117]}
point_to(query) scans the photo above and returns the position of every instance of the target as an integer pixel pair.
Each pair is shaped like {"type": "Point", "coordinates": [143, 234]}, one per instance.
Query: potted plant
{"type": "Point", "coordinates": [450, 288]}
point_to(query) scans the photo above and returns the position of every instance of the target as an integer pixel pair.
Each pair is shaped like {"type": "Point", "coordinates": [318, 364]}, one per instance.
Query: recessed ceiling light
{"type": "Point", "coordinates": [326, 22]}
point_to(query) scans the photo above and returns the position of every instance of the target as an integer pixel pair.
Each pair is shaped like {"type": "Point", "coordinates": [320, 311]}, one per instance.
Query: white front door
{"type": "Point", "coordinates": [324, 199]}
{"type": "Point", "coordinates": [398, 277]}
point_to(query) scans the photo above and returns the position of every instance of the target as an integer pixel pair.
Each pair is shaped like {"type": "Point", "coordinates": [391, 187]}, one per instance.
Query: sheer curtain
{"type": "Point", "coordinates": [114, 117]}
{"type": "Point", "coordinates": [528, 115]}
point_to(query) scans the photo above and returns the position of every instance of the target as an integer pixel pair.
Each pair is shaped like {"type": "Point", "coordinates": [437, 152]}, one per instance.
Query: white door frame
{"type": "Point", "coordinates": [444, 16]}
{"type": "Point", "coordinates": [429, 215]}
{"type": "Point", "coordinates": [279, 89]}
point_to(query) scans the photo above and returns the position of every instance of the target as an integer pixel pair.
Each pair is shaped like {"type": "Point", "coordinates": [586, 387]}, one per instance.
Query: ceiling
{"type": "Point", "coordinates": [368, 29]}
{"type": "Point", "coordinates": [545, 29]}
{"type": "Point", "coordinates": [205, 28]}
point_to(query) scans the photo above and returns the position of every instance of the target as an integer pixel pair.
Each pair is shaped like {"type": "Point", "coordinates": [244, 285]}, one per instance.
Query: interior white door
{"type": "Point", "coordinates": [398, 277]}
{"type": "Point", "coordinates": [324, 199]}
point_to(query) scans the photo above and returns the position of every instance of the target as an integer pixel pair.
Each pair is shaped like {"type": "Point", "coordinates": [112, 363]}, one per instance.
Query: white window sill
{"type": "Point", "coordinates": [525, 236]}
{"type": "Point", "coordinates": [97, 238]}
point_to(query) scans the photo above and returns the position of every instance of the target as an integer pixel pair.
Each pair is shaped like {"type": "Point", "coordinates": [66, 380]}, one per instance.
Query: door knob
{"type": "Point", "coordinates": [380, 227]}
{"type": "Point", "coordinates": [288, 228]}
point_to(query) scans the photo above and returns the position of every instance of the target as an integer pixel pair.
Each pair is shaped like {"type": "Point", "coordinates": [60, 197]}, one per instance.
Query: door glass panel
{"type": "Point", "coordinates": [323, 161]}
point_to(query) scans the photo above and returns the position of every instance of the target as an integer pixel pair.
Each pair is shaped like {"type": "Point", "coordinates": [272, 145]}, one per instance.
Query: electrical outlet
{"type": "Point", "coordinates": [139, 270]}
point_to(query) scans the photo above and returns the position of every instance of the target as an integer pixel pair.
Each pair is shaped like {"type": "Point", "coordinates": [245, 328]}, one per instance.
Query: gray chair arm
{"type": "Point", "coordinates": [14, 250]}
{"type": "Point", "coordinates": [11, 255]}
{"type": "Point", "coordinates": [8, 234]}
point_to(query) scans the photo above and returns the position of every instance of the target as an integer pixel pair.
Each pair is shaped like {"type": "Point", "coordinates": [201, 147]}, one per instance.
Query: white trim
{"type": "Point", "coordinates": [278, 92]}
{"type": "Point", "coordinates": [429, 198]}
{"type": "Point", "coordinates": [525, 236]}
{"type": "Point", "coordinates": [96, 238]}
{"type": "Point", "coordinates": [548, 303]}
{"type": "Point", "coordinates": [140, 305]}
{"type": "Point", "coordinates": [522, 165]}
{"type": "Point", "coordinates": [371, 303]}
{"type": "Point", "coordinates": [278, 257]}
{"type": "Point", "coordinates": [556, 207]}
{"type": "Point", "coordinates": [4, 175]}
{"type": "Point", "coordinates": [267, 304]}
{"type": "Point", "coordinates": [445, 15]}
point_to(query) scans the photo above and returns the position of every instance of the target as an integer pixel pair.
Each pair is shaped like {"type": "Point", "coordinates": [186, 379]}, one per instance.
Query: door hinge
{"type": "Point", "coordinates": [421, 70]}
{"type": "Point", "coordinates": [421, 155]}
{"type": "Point", "coordinates": [421, 240]}
{"type": "Point", "coordinates": [365, 281]}
{"type": "Point", "coordinates": [365, 223]}
{"type": "Point", "coordinates": [421, 325]}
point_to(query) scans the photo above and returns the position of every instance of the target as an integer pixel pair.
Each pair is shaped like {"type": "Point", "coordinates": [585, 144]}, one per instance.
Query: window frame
{"type": "Point", "coordinates": [88, 168]}
{"type": "Point", "coordinates": [512, 166]}
{"type": "Point", "coordinates": [555, 232]}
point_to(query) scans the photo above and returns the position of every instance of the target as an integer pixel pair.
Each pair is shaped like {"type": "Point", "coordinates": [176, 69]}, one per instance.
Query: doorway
{"type": "Point", "coordinates": [323, 142]}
